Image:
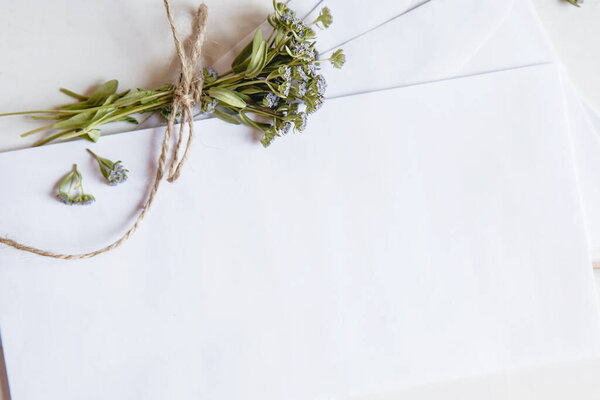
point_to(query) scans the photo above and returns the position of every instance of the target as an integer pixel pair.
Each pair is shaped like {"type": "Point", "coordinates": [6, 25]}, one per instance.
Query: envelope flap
{"type": "Point", "coordinates": [431, 42]}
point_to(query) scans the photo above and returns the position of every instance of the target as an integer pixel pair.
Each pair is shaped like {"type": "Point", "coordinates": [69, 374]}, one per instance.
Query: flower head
{"type": "Point", "coordinates": [301, 90]}
{"type": "Point", "coordinates": [268, 136]}
{"type": "Point", "coordinates": [271, 100]}
{"type": "Point", "coordinates": [301, 74]}
{"type": "Point", "coordinates": [302, 51]}
{"type": "Point", "coordinates": [324, 18]}
{"type": "Point", "coordinates": [70, 189]}
{"type": "Point", "coordinates": [287, 73]}
{"type": "Point", "coordinates": [208, 105]}
{"type": "Point", "coordinates": [210, 75]}
{"type": "Point", "coordinates": [284, 89]}
{"type": "Point", "coordinates": [311, 69]}
{"type": "Point", "coordinates": [285, 128]}
{"type": "Point", "coordinates": [301, 121]}
{"type": "Point", "coordinates": [113, 172]}
{"type": "Point", "coordinates": [320, 85]}
{"type": "Point", "coordinates": [338, 58]}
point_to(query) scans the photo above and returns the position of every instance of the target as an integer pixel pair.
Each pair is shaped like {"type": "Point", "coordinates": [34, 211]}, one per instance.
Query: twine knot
{"type": "Point", "coordinates": [189, 96]}
{"type": "Point", "coordinates": [181, 96]}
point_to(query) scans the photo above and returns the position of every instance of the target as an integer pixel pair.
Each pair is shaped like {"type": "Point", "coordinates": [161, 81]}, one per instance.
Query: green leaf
{"type": "Point", "coordinates": [256, 41]}
{"type": "Point", "coordinates": [132, 98]}
{"type": "Point", "coordinates": [222, 115]}
{"type": "Point", "coordinates": [244, 54]}
{"type": "Point", "coordinates": [244, 97]}
{"type": "Point", "coordinates": [76, 133]}
{"type": "Point", "coordinates": [73, 94]}
{"type": "Point", "coordinates": [76, 106]}
{"type": "Point", "coordinates": [257, 61]}
{"type": "Point", "coordinates": [241, 67]}
{"type": "Point", "coordinates": [93, 135]}
{"type": "Point", "coordinates": [78, 121]}
{"type": "Point", "coordinates": [249, 121]}
{"type": "Point", "coordinates": [102, 93]}
{"type": "Point", "coordinates": [259, 50]}
{"type": "Point", "coordinates": [129, 119]}
{"type": "Point", "coordinates": [252, 90]}
{"type": "Point", "coordinates": [227, 96]}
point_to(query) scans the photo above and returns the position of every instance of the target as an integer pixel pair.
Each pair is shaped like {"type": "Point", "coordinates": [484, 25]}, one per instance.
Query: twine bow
{"type": "Point", "coordinates": [187, 92]}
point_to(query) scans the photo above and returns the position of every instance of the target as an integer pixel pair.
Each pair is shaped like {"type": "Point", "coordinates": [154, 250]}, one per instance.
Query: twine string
{"type": "Point", "coordinates": [186, 93]}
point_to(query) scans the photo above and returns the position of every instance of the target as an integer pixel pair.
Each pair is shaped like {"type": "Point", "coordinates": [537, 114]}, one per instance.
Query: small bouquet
{"type": "Point", "coordinates": [272, 86]}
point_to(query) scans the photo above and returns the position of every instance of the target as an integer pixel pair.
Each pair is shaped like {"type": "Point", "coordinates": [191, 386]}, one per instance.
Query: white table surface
{"type": "Point", "coordinates": [574, 32]}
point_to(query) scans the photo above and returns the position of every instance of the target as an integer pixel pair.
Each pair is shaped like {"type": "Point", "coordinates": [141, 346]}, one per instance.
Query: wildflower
{"type": "Point", "coordinates": [338, 58]}
{"type": "Point", "coordinates": [320, 85]}
{"type": "Point", "coordinates": [301, 73]}
{"type": "Point", "coordinates": [298, 27]}
{"type": "Point", "coordinates": [285, 128]}
{"type": "Point", "coordinates": [70, 189]}
{"type": "Point", "coordinates": [314, 105]}
{"type": "Point", "coordinates": [287, 18]}
{"type": "Point", "coordinates": [113, 172]}
{"type": "Point", "coordinates": [311, 69]}
{"type": "Point", "coordinates": [284, 89]}
{"type": "Point", "coordinates": [287, 73]}
{"type": "Point", "coordinates": [268, 136]}
{"type": "Point", "coordinates": [324, 19]}
{"type": "Point", "coordinates": [301, 121]}
{"type": "Point", "coordinates": [271, 100]}
{"type": "Point", "coordinates": [208, 105]}
{"type": "Point", "coordinates": [210, 75]}
{"type": "Point", "coordinates": [302, 51]}
{"type": "Point", "coordinates": [301, 91]}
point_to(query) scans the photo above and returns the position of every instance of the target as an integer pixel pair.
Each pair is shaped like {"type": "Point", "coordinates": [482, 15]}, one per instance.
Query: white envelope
{"type": "Point", "coordinates": [306, 271]}
{"type": "Point", "coordinates": [509, 37]}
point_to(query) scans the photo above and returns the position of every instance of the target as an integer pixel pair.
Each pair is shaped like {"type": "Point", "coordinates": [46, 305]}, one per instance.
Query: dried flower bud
{"type": "Point", "coordinates": [70, 189]}
{"type": "Point", "coordinates": [113, 172]}
{"type": "Point", "coordinates": [324, 18]}
{"type": "Point", "coordinates": [338, 58]}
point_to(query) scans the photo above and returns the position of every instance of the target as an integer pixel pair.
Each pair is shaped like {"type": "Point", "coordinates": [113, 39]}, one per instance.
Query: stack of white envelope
{"type": "Point", "coordinates": [437, 220]}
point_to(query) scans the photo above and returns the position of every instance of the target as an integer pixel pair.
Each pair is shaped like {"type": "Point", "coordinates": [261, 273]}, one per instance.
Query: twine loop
{"type": "Point", "coordinates": [187, 91]}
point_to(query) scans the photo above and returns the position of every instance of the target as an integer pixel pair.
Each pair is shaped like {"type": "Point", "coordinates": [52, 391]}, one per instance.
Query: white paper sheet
{"type": "Point", "coordinates": [362, 256]}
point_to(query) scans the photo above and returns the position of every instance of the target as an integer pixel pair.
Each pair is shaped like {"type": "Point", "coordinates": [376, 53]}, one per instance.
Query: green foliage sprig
{"type": "Point", "coordinates": [272, 86]}
{"type": "Point", "coordinates": [576, 3]}
{"type": "Point", "coordinates": [70, 189]}
{"type": "Point", "coordinates": [112, 171]}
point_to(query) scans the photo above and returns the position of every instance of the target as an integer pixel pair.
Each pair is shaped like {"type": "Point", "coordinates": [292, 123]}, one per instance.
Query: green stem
{"type": "Point", "coordinates": [248, 83]}
{"type": "Point", "coordinates": [73, 94]}
{"type": "Point", "coordinates": [37, 112]}
{"type": "Point", "coordinates": [134, 110]}
{"type": "Point", "coordinates": [53, 137]}
{"type": "Point", "coordinates": [225, 79]}
{"type": "Point", "coordinates": [43, 128]}
{"type": "Point", "coordinates": [92, 153]}
{"type": "Point", "coordinates": [263, 111]}
{"type": "Point", "coordinates": [225, 74]}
